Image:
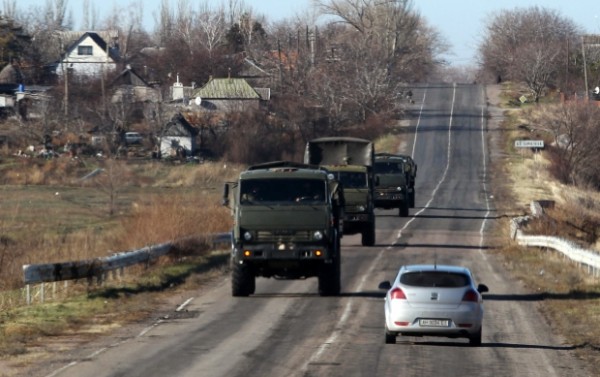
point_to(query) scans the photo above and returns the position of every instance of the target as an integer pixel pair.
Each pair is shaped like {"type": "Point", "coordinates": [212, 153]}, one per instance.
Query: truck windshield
{"type": "Point", "coordinates": [286, 191]}
{"type": "Point", "coordinates": [353, 179]}
{"type": "Point", "coordinates": [386, 167]}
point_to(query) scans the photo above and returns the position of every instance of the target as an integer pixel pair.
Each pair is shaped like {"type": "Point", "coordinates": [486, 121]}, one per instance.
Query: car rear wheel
{"type": "Point", "coordinates": [243, 282]}
{"type": "Point", "coordinates": [411, 199]}
{"type": "Point", "coordinates": [475, 339]}
{"type": "Point", "coordinates": [390, 337]}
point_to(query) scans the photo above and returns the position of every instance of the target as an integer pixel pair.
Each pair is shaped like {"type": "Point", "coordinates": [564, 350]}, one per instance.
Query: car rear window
{"type": "Point", "coordinates": [435, 279]}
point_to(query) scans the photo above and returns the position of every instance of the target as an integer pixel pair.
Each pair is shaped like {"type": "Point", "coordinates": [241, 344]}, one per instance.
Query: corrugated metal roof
{"type": "Point", "coordinates": [227, 88]}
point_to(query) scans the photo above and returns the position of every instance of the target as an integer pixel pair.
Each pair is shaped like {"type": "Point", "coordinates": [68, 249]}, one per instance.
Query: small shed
{"type": "Point", "coordinates": [178, 138]}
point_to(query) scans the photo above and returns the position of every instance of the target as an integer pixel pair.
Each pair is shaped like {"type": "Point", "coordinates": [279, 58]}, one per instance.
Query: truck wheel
{"type": "Point", "coordinates": [368, 236]}
{"type": "Point", "coordinates": [243, 282]}
{"type": "Point", "coordinates": [330, 278]}
{"type": "Point", "coordinates": [403, 210]}
{"type": "Point", "coordinates": [411, 199]}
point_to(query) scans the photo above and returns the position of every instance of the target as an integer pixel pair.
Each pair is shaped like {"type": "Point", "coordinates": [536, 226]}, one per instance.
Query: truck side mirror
{"type": "Point", "coordinates": [226, 195]}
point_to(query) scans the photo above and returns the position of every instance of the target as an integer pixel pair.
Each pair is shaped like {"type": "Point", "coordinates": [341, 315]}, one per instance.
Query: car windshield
{"type": "Point", "coordinates": [285, 191]}
{"type": "Point", "coordinates": [441, 279]}
{"type": "Point", "coordinates": [386, 167]}
{"type": "Point", "coordinates": [353, 179]}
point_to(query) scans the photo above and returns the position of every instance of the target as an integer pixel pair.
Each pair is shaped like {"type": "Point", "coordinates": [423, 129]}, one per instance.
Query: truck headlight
{"type": "Point", "coordinates": [399, 188]}
{"type": "Point", "coordinates": [318, 235]}
{"type": "Point", "coordinates": [362, 208]}
{"type": "Point", "coordinates": [248, 236]}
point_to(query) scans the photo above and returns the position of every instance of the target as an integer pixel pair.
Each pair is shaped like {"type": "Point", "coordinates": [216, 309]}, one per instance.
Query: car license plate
{"type": "Point", "coordinates": [434, 322]}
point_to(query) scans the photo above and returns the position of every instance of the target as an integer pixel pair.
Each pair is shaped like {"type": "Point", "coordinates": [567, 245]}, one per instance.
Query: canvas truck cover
{"type": "Point", "coordinates": [339, 151]}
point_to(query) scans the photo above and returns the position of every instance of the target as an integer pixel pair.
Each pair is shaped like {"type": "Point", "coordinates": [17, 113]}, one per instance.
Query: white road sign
{"type": "Point", "coordinates": [529, 143]}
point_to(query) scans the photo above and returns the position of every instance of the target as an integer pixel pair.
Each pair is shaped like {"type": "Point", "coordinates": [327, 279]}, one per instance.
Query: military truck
{"type": "Point", "coordinates": [394, 182]}
{"type": "Point", "coordinates": [351, 160]}
{"type": "Point", "coordinates": [287, 224]}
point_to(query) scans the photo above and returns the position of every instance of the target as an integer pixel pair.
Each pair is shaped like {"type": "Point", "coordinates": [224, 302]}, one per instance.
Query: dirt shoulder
{"type": "Point", "coordinates": [568, 295]}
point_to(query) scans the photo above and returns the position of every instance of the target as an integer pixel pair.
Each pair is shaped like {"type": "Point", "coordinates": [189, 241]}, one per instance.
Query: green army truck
{"type": "Point", "coordinates": [287, 224]}
{"type": "Point", "coordinates": [393, 183]}
{"type": "Point", "coordinates": [351, 160]}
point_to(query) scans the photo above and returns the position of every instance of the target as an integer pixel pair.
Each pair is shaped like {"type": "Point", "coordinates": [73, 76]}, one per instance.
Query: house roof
{"type": "Point", "coordinates": [129, 77]}
{"type": "Point", "coordinates": [227, 88]}
{"type": "Point", "coordinates": [98, 40]}
{"type": "Point", "coordinates": [179, 126]}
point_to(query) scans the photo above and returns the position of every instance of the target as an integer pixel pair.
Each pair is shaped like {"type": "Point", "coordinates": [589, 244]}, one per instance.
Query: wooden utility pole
{"type": "Point", "coordinates": [66, 78]}
{"type": "Point", "coordinates": [587, 95]}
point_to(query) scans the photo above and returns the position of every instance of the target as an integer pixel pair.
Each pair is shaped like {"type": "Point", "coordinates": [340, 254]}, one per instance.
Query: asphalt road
{"type": "Point", "coordinates": [286, 329]}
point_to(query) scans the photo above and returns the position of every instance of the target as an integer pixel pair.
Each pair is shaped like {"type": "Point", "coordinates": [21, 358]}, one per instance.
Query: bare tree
{"type": "Point", "coordinates": [55, 15]}
{"type": "Point", "coordinates": [405, 42]}
{"type": "Point", "coordinates": [574, 128]}
{"type": "Point", "coordinates": [9, 8]}
{"type": "Point", "coordinates": [212, 26]}
{"type": "Point", "coordinates": [529, 45]}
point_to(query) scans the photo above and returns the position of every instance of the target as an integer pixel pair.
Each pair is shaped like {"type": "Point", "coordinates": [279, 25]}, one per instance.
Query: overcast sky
{"type": "Point", "coordinates": [459, 21]}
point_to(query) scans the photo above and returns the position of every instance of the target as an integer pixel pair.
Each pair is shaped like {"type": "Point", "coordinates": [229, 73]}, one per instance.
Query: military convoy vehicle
{"type": "Point", "coordinates": [395, 177]}
{"type": "Point", "coordinates": [351, 160]}
{"type": "Point", "coordinates": [287, 224]}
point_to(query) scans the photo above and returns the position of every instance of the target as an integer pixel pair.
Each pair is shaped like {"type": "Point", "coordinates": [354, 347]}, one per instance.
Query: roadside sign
{"type": "Point", "coordinates": [529, 143]}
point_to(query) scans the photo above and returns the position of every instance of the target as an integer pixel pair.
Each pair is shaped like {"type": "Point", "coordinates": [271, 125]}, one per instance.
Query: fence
{"type": "Point", "coordinates": [94, 269]}
{"type": "Point", "coordinates": [586, 259]}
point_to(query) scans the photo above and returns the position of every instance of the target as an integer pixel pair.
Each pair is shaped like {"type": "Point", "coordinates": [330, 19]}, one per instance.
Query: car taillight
{"type": "Point", "coordinates": [471, 296]}
{"type": "Point", "coordinates": [397, 293]}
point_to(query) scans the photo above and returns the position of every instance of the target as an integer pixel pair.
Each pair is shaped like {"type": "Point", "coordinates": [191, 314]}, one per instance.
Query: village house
{"type": "Point", "coordinates": [227, 95]}
{"type": "Point", "coordinates": [178, 138]}
{"type": "Point", "coordinates": [130, 87]}
{"type": "Point", "coordinates": [89, 55]}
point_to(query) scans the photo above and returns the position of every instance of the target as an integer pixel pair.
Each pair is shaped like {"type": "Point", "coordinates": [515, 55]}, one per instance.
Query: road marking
{"type": "Point", "coordinates": [344, 318]}
{"type": "Point", "coordinates": [182, 306]}
{"type": "Point", "coordinates": [412, 154]}
{"type": "Point", "coordinates": [104, 349]}
{"type": "Point", "coordinates": [437, 187]}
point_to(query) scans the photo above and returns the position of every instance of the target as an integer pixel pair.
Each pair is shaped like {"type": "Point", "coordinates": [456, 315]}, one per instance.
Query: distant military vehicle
{"type": "Point", "coordinates": [395, 178]}
{"type": "Point", "coordinates": [287, 225]}
{"type": "Point", "coordinates": [351, 160]}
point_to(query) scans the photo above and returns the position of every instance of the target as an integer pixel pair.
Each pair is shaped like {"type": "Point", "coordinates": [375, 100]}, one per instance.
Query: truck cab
{"type": "Point", "coordinates": [288, 221]}
{"type": "Point", "coordinates": [394, 182]}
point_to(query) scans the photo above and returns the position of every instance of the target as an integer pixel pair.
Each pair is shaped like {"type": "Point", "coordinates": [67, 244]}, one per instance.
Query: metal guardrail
{"type": "Point", "coordinates": [98, 267]}
{"type": "Point", "coordinates": [585, 258]}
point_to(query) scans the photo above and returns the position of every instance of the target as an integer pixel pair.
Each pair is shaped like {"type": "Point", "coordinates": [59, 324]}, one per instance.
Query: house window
{"type": "Point", "coordinates": [84, 50]}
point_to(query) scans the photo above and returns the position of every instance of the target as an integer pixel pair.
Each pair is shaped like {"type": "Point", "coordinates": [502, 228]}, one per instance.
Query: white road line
{"type": "Point", "coordinates": [484, 179]}
{"type": "Point", "coordinates": [182, 306]}
{"type": "Point", "coordinates": [437, 187]}
{"type": "Point", "coordinates": [56, 372]}
{"type": "Point", "coordinates": [104, 349]}
{"type": "Point", "coordinates": [412, 153]}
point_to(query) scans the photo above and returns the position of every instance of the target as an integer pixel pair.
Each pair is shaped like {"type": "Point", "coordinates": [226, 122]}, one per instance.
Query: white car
{"type": "Point", "coordinates": [434, 300]}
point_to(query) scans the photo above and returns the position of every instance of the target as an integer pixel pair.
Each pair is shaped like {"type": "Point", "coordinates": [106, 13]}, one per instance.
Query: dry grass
{"type": "Point", "coordinates": [568, 295]}
{"type": "Point", "coordinates": [48, 214]}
